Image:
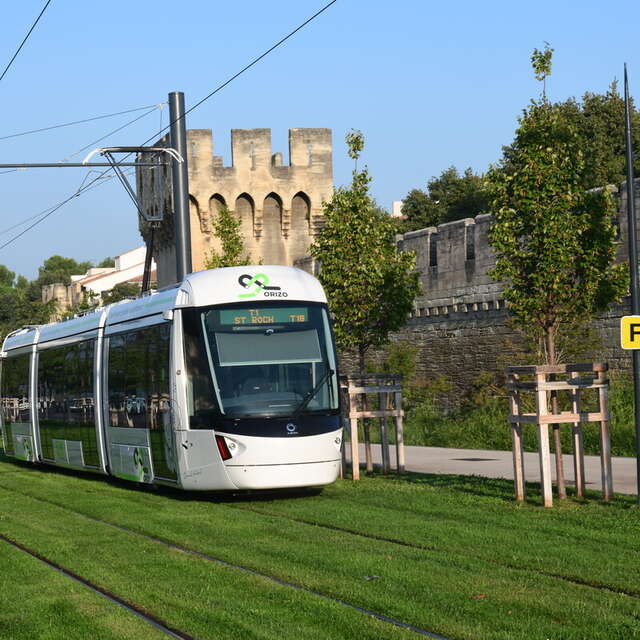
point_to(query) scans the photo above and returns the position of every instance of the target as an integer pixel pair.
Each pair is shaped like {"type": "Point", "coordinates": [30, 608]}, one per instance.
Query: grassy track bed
{"type": "Point", "coordinates": [590, 542]}
{"type": "Point", "coordinates": [204, 600]}
{"type": "Point", "coordinates": [452, 587]}
{"type": "Point", "coordinates": [39, 602]}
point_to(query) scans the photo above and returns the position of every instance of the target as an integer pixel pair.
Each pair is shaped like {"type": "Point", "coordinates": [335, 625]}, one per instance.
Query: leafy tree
{"type": "Point", "coordinates": [7, 277]}
{"type": "Point", "coordinates": [554, 241]}
{"type": "Point", "coordinates": [599, 119]}
{"type": "Point", "coordinates": [541, 63]}
{"type": "Point", "coordinates": [601, 127]}
{"type": "Point", "coordinates": [106, 263]}
{"type": "Point", "coordinates": [449, 197]}
{"type": "Point", "coordinates": [121, 291]}
{"type": "Point", "coordinates": [227, 228]}
{"type": "Point", "coordinates": [370, 284]}
{"type": "Point", "coordinates": [60, 269]}
{"type": "Point", "coordinates": [419, 211]}
{"type": "Point", "coordinates": [18, 307]}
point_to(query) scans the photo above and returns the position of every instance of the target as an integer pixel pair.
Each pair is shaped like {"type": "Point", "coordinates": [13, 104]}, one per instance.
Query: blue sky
{"type": "Point", "coordinates": [430, 85]}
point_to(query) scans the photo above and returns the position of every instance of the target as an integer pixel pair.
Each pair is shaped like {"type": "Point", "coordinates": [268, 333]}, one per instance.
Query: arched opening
{"type": "Point", "coordinates": [245, 209]}
{"type": "Point", "coordinates": [215, 202]}
{"type": "Point", "coordinates": [195, 217]}
{"type": "Point", "coordinates": [272, 241]}
{"type": "Point", "coordinates": [299, 234]}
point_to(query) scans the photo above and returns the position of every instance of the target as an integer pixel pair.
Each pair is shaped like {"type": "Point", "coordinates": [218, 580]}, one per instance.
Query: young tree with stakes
{"type": "Point", "coordinates": [554, 241]}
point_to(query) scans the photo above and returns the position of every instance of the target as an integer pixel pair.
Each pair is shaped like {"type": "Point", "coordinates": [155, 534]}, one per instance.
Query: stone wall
{"type": "Point", "coordinates": [460, 322]}
{"type": "Point", "coordinates": [279, 206]}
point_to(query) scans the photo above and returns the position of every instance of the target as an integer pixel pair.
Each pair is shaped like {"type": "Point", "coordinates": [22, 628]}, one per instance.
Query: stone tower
{"type": "Point", "coordinates": [279, 206]}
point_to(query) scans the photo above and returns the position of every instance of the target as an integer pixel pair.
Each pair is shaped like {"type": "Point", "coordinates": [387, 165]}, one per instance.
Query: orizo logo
{"type": "Point", "coordinates": [291, 428]}
{"type": "Point", "coordinates": [259, 282]}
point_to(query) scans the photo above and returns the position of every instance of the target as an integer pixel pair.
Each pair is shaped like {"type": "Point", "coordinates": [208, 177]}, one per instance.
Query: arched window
{"type": "Point", "coordinates": [299, 233]}
{"type": "Point", "coordinates": [245, 210]}
{"type": "Point", "coordinates": [272, 240]}
{"type": "Point", "coordinates": [215, 202]}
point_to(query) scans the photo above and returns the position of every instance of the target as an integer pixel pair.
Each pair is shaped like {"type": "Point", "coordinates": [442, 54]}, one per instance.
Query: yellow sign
{"type": "Point", "coordinates": [630, 332]}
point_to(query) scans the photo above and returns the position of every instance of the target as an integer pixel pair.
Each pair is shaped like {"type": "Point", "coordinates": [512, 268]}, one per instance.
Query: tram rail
{"type": "Point", "coordinates": [225, 563]}
{"type": "Point", "coordinates": [169, 631]}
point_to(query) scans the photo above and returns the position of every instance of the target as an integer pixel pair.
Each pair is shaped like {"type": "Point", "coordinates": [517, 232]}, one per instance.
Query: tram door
{"type": "Point", "coordinates": [138, 423]}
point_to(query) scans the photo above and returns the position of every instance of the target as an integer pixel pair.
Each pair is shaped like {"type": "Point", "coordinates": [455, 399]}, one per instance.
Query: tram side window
{"type": "Point", "coordinates": [66, 402]}
{"type": "Point", "coordinates": [15, 395]}
{"type": "Point", "coordinates": [139, 378]}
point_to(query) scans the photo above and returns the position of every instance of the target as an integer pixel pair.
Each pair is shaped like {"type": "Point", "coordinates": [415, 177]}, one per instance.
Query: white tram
{"type": "Point", "coordinates": [227, 381]}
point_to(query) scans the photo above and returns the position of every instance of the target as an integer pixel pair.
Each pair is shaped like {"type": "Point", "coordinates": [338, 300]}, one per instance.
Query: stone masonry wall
{"type": "Point", "coordinates": [460, 322]}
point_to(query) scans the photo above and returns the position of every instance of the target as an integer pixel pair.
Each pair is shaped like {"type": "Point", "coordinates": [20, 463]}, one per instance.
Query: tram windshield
{"type": "Point", "coordinates": [276, 359]}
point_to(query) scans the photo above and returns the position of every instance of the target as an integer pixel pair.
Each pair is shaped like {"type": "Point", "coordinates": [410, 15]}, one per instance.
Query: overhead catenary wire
{"type": "Point", "coordinates": [69, 124]}
{"type": "Point", "coordinates": [45, 213]}
{"type": "Point", "coordinates": [80, 188]}
{"type": "Point", "coordinates": [168, 126]}
{"type": "Point", "coordinates": [91, 144]}
{"type": "Point", "coordinates": [33, 26]}
{"type": "Point", "coordinates": [246, 68]}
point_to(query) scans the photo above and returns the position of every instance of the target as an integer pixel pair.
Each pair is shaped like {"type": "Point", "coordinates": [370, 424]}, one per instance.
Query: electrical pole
{"type": "Point", "coordinates": [180, 175]}
{"type": "Point", "coordinates": [633, 264]}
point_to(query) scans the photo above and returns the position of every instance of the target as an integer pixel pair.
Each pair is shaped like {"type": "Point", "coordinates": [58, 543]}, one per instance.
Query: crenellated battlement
{"type": "Point", "coordinates": [279, 205]}
{"type": "Point", "coordinates": [454, 260]}
{"type": "Point", "coordinates": [309, 150]}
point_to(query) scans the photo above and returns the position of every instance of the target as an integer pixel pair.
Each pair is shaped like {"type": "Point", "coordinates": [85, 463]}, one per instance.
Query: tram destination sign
{"type": "Point", "coordinates": [268, 315]}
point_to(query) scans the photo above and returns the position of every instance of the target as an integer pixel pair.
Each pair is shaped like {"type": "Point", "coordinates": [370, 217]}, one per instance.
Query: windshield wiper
{"type": "Point", "coordinates": [311, 394]}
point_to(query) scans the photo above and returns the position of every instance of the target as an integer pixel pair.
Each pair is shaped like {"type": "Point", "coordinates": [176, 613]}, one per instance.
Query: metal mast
{"type": "Point", "coordinates": [179, 171]}
{"type": "Point", "coordinates": [633, 264]}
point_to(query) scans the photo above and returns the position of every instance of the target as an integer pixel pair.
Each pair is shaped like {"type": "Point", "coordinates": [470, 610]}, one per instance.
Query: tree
{"type": "Point", "coordinates": [7, 277]}
{"type": "Point", "coordinates": [106, 263]}
{"type": "Point", "coordinates": [60, 269]}
{"type": "Point", "coordinates": [449, 197]}
{"type": "Point", "coordinates": [553, 239]}
{"type": "Point", "coordinates": [419, 211]}
{"type": "Point", "coordinates": [599, 119]}
{"type": "Point", "coordinates": [18, 305]}
{"type": "Point", "coordinates": [227, 228]}
{"type": "Point", "coordinates": [541, 63]}
{"type": "Point", "coordinates": [121, 291]}
{"type": "Point", "coordinates": [601, 127]}
{"type": "Point", "coordinates": [369, 283]}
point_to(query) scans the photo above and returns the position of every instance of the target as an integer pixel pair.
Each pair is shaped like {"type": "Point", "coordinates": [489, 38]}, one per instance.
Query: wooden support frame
{"type": "Point", "coordinates": [575, 384]}
{"type": "Point", "coordinates": [356, 391]}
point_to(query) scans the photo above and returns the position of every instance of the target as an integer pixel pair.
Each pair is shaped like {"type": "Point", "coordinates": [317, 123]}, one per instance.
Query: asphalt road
{"type": "Point", "coordinates": [499, 464]}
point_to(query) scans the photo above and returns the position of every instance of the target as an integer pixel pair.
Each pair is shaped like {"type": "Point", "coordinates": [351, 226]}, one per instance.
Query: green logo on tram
{"type": "Point", "coordinates": [259, 283]}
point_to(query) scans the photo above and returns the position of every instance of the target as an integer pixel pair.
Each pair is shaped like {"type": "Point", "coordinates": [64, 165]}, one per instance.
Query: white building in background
{"type": "Point", "coordinates": [396, 209]}
{"type": "Point", "coordinates": [129, 268]}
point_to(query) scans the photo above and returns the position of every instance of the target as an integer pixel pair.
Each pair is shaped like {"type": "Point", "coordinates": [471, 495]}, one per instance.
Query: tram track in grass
{"type": "Point", "coordinates": [198, 554]}
{"type": "Point", "coordinates": [458, 595]}
{"type": "Point", "coordinates": [418, 547]}
{"type": "Point", "coordinates": [111, 597]}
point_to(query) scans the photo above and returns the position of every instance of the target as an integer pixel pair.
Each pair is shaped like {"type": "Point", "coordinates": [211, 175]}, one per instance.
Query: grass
{"type": "Point", "coordinates": [39, 602]}
{"type": "Point", "coordinates": [450, 554]}
{"type": "Point", "coordinates": [486, 427]}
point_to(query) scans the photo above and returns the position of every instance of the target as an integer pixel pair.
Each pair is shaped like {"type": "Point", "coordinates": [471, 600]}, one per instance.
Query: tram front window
{"type": "Point", "coordinates": [275, 360]}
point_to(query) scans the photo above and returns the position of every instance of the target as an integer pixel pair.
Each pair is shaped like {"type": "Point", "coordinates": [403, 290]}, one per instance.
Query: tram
{"type": "Point", "coordinates": [227, 381]}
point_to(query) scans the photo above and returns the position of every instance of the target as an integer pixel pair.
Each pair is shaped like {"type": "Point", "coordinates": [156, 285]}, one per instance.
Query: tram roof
{"type": "Point", "coordinates": [257, 283]}
{"type": "Point", "coordinates": [229, 285]}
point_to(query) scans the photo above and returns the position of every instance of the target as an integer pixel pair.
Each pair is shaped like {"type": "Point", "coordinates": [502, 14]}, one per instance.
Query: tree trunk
{"type": "Point", "coordinates": [550, 344]}
{"type": "Point", "coordinates": [365, 421]}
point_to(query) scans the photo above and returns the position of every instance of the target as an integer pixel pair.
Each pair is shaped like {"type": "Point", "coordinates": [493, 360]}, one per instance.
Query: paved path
{"type": "Point", "coordinates": [499, 464]}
